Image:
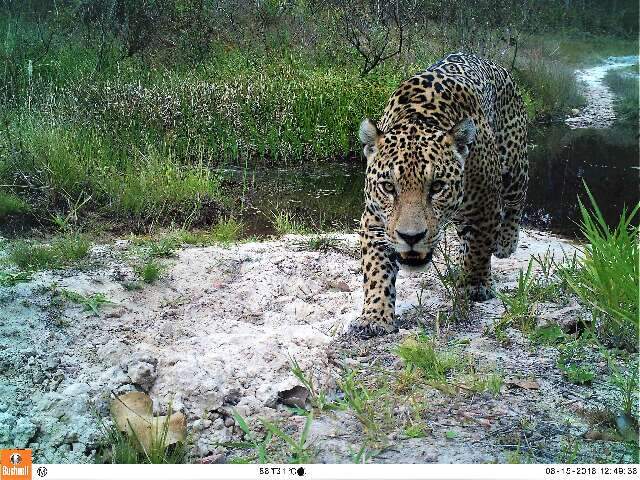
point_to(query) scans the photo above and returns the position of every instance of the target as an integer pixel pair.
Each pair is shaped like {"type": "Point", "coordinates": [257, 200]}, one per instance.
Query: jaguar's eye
{"type": "Point", "coordinates": [436, 186]}
{"type": "Point", "coordinates": [388, 187]}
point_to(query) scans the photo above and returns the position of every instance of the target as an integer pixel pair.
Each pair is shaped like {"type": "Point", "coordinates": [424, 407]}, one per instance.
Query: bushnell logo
{"type": "Point", "coordinates": [15, 465]}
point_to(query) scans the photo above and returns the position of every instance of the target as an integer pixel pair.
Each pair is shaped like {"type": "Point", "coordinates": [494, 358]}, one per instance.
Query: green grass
{"type": "Point", "coordinates": [149, 271]}
{"type": "Point", "coordinates": [10, 279]}
{"type": "Point", "coordinates": [298, 450]}
{"type": "Point", "coordinates": [520, 303]}
{"type": "Point", "coordinates": [625, 84]}
{"type": "Point", "coordinates": [251, 441]}
{"type": "Point", "coordinates": [372, 407]}
{"type": "Point", "coordinates": [163, 248]}
{"type": "Point", "coordinates": [121, 180]}
{"type": "Point", "coordinates": [11, 205]}
{"type": "Point", "coordinates": [451, 278]}
{"type": "Point", "coordinates": [423, 354]}
{"type": "Point", "coordinates": [286, 222]}
{"type": "Point", "coordinates": [276, 446]}
{"type": "Point", "coordinates": [227, 231]}
{"type": "Point", "coordinates": [318, 398]}
{"type": "Point", "coordinates": [548, 335]}
{"type": "Point", "coordinates": [548, 87]}
{"type": "Point", "coordinates": [607, 280]}
{"type": "Point", "coordinates": [575, 360]}
{"type": "Point", "coordinates": [91, 303]}
{"type": "Point", "coordinates": [624, 382]}
{"type": "Point", "coordinates": [321, 243]}
{"type": "Point", "coordinates": [60, 252]}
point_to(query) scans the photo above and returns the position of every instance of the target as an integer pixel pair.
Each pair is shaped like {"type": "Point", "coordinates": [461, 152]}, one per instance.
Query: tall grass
{"type": "Point", "coordinates": [548, 86]}
{"type": "Point", "coordinates": [62, 163]}
{"type": "Point", "coordinates": [608, 277]}
{"type": "Point", "coordinates": [140, 139]}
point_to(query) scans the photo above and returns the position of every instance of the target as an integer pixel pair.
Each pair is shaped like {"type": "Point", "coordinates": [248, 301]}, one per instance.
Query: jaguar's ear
{"type": "Point", "coordinates": [369, 135]}
{"type": "Point", "coordinates": [464, 134]}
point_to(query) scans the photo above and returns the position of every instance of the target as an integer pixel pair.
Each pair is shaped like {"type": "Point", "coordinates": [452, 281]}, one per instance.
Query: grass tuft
{"type": "Point", "coordinates": [423, 354]}
{"type": "Point", "coordinates": [150, 271]}
{"type": "Point", "coordinates": [61, 252]}
{"type": "Point", "coordinates": [607, 279]}
{"type": "Point", "coordinates": [287, 223]}
{"type": "Point", "coordinates": [227, 231]}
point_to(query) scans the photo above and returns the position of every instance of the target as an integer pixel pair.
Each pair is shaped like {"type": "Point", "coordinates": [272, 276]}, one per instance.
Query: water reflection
{"type": "Point", "coordinates": [561, 159]}
{"type": "Point", "coordinates": [330, 195]}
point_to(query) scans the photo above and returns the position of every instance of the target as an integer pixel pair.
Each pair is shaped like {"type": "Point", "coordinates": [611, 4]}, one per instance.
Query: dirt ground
{"type": "Point", "coordinates": [218, 331]}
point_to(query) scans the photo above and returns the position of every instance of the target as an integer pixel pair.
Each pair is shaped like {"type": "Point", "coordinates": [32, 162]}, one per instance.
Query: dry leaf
{"type": "Point", "coordinates": [133, 414]}
{"type": "Point", "coordinates": [526, 384]}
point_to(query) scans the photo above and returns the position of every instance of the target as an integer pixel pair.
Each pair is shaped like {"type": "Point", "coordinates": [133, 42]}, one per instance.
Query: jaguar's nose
{"type": "Point", "coordinates": [412, 238]}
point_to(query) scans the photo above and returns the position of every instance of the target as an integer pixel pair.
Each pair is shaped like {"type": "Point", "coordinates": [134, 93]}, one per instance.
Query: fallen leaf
{"type": "Point", "coordinates": [526, 384]}
{"type": "Point", "coordinates": [133, 414]}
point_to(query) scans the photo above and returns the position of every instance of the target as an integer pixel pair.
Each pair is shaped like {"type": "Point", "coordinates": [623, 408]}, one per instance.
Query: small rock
{"type": "Point", "coordinates": [116, 313]}
{"type": "Point", "coordinates": [52, 363]}
{"type": "Point", "coordinates": [340, 285]}
{"type": "Point", "coordinates": [78, 447]}
{"type": "Point", "coordinates": [121, 244]}
{"type": "Point", "coordinates": [294, 397]}
{"type": "Point", "coordinates": [229, 422]}
{"type": "Point", "coordinates": [521, 383]}
{"type": "Point", "coordinates": [142, 374]}
{"type": "Point", "coordinates": [218, 424]}
{"type": "Point", "coordinates": [200, 425]}
{"type": "Point", "coordinates": [232, 397]}
{"type": "Point", "coordinates": [215, 458]}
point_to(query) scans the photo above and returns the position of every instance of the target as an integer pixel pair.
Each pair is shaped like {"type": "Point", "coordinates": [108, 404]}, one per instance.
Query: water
{"type": "Point", "coordinates": [330, 195]}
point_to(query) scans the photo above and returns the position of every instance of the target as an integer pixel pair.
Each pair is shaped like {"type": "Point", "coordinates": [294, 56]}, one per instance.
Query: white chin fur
{"type": "Point", "coordinates": [413, 268]}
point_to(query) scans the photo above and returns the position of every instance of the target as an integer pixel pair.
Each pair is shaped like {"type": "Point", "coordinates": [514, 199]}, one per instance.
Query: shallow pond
{"type": "Point", "coordinates": [330, 195]}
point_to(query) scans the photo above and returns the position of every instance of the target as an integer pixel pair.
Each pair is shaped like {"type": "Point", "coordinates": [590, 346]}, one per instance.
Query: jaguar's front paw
{"type": "Point", "coordinates": [477, 293]}
{"type": "Point", "coordinates": [367, 326]}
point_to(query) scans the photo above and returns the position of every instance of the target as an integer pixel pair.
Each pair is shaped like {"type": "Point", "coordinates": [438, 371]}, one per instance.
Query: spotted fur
{"type": "Point", "coordinates": [449, 148]}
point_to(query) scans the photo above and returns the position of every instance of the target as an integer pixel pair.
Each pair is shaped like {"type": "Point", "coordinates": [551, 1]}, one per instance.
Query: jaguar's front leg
{"type": "Point", "coordinates": [476, 262]}
{"type": "Point", "coordinates": [380, 269]}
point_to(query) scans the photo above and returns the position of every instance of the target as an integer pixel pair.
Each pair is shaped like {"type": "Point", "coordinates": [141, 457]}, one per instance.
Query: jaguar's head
{"type": "Point", "coordinates": [414, 182]}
